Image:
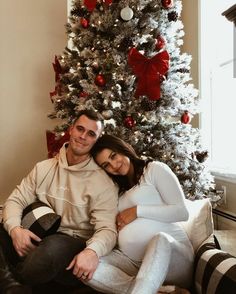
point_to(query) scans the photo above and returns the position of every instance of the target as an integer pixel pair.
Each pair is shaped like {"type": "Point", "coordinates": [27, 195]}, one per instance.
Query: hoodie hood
{"type": "Point", "coordinates": [88, 164]}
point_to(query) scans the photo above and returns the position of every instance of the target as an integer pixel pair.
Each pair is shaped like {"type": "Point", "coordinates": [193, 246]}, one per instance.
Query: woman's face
{"type": "Point", "coordinates": [114, 163]}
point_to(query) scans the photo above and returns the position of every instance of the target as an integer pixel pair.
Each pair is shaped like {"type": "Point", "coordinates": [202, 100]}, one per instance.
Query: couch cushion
{"type": "Point", "coordinates": [215, 270]}
{"type": "Point", "coordinates": [200, 223]}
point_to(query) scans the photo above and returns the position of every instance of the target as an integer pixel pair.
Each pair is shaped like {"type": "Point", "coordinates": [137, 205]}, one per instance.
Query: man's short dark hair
{"type": "Point", "coordinates": [91, 114]}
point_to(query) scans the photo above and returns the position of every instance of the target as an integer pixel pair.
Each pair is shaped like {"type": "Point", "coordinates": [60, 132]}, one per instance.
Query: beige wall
{"type": "Point", "coordinates": [32, 32]}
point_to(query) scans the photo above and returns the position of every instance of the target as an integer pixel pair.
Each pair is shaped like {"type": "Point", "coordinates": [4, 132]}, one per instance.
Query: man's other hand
{"type": "Point", "coordinates": [84, 264]}
{"type": "Point", "coordinates": [22, 240]}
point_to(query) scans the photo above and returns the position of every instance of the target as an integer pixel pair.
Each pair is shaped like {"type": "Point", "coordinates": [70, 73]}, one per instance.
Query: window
{"type": "Point", "coordinates": [218, 86]}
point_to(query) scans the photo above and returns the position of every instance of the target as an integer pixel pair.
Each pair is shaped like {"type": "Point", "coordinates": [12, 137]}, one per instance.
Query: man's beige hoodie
{"type": "Point", "coordinates": [83, 194]}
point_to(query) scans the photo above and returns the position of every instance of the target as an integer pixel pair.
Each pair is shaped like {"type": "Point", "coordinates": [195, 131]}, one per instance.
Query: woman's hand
{"type": "Point", "coordinates": [125, 217]}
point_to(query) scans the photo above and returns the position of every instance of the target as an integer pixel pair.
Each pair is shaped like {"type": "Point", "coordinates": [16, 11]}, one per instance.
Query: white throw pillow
{"type": "Point", "coordinates": [200, 223]}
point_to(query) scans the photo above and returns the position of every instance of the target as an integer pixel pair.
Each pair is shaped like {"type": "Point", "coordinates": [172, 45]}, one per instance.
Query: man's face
{"type": "Point", "coordinates": [83, 135]}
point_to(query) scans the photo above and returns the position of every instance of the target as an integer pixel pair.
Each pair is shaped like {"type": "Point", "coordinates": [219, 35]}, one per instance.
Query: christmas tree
{"type": "Point", "coordinates": [125, 62]}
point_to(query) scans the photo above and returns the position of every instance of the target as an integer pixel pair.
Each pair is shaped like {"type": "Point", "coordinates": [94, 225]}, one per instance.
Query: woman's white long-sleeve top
{"type": "Point", "coordinates": [160, 205]}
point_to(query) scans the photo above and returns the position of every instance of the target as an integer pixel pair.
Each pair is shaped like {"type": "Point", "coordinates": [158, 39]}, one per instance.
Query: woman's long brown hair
{"type": "Point", "coordinates": [119, 146]}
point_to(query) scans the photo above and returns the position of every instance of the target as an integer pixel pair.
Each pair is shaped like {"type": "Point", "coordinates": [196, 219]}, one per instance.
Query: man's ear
{"type": "Point", "coordinates": [70, 129]}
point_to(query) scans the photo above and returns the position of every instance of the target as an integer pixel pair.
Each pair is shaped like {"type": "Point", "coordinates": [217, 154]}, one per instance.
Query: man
{"type": "Point", "coordinates": [82, 194]}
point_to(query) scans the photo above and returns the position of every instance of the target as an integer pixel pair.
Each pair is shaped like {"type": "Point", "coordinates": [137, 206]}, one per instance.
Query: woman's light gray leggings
{"type": "Point", "coordinates": [165, 260]}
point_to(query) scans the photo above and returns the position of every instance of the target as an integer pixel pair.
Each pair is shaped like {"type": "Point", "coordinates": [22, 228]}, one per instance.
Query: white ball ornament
{"type": "Point", "coordinates": [126, 13]}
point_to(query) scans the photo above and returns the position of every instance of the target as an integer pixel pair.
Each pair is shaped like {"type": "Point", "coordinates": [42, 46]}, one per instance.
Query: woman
{"type": "Point", "coordinates": [153, 248]}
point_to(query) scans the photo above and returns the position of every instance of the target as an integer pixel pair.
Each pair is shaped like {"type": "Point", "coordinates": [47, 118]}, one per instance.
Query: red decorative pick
{"type": "Point", "coordinates": [57, 91]}
{"type": "Point", "coordinates": [129, 122]}
{"type": "Point", "coordinates": [57, 68]}
{"type": "Point", "coordinates": [148, 71]}
{"type": "Point", "coordinates": [54, 144]}
{"type": "Point", "coordinates": [91, 4]}
{"type": "Point", "coordinates": [160, 44]}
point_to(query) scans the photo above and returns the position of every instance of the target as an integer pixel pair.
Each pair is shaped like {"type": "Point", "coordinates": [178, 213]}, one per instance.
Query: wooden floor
{"type": "Point", "coordinates": [52, 287]}
{"type": "Point", "coordinates": [227, 240]}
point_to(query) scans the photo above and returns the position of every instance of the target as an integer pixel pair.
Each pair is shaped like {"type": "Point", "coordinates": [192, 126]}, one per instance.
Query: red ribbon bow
{"type": "Point", "coordinates": [148, 71]}
{"type": "Point", "coordinates": [91, 4]}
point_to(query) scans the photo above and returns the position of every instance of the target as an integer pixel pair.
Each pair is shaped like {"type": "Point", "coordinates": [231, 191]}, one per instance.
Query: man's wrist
{"type": "Point", "coordinates": [91, 251]}
{"type": "Point", "coordinates": [14, 229]}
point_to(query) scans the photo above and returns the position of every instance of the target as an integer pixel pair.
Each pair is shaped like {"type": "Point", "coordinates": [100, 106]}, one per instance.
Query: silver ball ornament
{"type": "Point", "coordinates": [126, 13]}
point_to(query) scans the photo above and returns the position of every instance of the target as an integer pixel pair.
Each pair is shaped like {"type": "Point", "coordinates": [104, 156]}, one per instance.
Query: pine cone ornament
{"type": "Point", "coordinates": [96, 67]}
{"type": "Point", "coordinates": [80, 12]}
{"type": "Point", "coordinates": [183, 70]}
{"type": "Point", "coordinates": [173, 16]}
{"type": "Point", "coordinates": [201, 156]}
{"type": "Point", "coordinates": [123, 85]}
{"type": "Point", "coordinates": [148, 105]}
{"type": "Point", "coordinates": [125, 43]}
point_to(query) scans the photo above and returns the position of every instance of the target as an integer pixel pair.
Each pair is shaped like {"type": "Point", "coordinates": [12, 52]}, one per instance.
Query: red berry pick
{"type": "Point", "coordinates": [129, 122]}
{"type": "Point", "coordinates": [161, 42]}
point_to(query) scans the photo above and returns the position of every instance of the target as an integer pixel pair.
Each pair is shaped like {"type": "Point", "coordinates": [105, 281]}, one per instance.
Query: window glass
{"type": "Point", "coordinates": [218, 84]}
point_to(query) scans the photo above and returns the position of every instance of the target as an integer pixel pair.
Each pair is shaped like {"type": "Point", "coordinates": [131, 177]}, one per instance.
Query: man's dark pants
{"type": "Point", "coordinates": [47, 262]}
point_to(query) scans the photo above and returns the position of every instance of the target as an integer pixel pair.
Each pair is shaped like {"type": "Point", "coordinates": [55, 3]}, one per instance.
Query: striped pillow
{"type": "Point", "coordinates": [215, 270]}
{"type": "Point", "coordinates": [40, 218]}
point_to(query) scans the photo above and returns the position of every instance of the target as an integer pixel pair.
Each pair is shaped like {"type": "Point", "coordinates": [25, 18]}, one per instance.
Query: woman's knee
{"type": "Point", "coordinates": [162, 240]}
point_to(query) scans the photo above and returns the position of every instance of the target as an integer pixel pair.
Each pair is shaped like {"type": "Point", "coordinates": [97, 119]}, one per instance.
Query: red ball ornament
{"type": "Point", "coordinates": [100, 80]}
{"type": "Point", "coordinates": [129, 122]}
{"type": "Point", "coordinates": [185, 117]}
{"type": "Point", "coordinates": [83, 94]}
{"type": "Point", "coordinates": [84, 22]}
{"type": "Point", "coordinates": [167, 3]}
{"type": "Point", "coordinates": [161, 42]}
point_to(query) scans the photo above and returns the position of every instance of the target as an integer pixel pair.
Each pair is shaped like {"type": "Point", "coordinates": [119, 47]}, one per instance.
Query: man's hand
{"type": "Point", "coordinates": [21, 239]}
{"type": "Point", "coordinates": [84, 264]}
{"type": "Point", "coordinates": [125, 217]}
